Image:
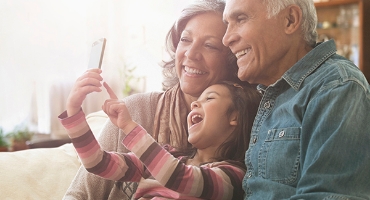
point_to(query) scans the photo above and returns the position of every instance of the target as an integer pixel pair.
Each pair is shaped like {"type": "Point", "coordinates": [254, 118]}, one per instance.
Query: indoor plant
{"type": "Point", "coordinates": [18, 138]}
{"type": "Point", "coordinates": [3, 141]}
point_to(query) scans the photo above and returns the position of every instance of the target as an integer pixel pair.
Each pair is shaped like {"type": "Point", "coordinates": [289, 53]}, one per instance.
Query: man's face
{"type": "Point", "coordinates": [257, 42]}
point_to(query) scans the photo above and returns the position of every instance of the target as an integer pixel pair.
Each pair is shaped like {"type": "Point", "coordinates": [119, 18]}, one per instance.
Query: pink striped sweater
{"type": "Point", "coordinates": [160, 175]}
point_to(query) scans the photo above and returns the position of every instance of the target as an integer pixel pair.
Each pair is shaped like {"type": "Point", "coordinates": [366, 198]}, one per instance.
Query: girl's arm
{"type": "Point", "coordinates": [220, 181]}
{"type": "Point", "coordinates": [109, 165]}
{"type": "Point", "coordinates": [211, 181]}
{"type": "Point", "coordinates": [217, 181]}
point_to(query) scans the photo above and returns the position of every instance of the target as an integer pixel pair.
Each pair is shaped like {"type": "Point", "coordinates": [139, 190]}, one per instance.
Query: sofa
{"type": "Point", "coordinates": [42, 173]}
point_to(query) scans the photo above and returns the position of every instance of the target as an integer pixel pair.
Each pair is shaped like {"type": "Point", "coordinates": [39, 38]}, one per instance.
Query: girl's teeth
{"type": "Point", "coordinates": [196, 118]}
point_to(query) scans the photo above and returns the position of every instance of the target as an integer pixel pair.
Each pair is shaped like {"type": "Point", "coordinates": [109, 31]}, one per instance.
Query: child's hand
{"type": "Point", "coordinates": [89, 82]}
{"type": "Point", "coordinates": [117, 112]}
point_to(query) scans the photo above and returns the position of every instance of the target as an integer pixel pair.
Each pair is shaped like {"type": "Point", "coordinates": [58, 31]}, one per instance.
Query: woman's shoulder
{"type": "Point", "coordinates": [142, 99]}
{"type": "Point", "coordinates": [143, 96]}
{"type": "Point", "coordinates": [142, 108]}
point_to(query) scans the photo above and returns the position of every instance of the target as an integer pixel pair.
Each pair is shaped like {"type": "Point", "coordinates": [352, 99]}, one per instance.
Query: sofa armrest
{"type": "Point", "coordinates": [96, 121]}
{"type": "Point", "coordinates": [47, 143]}
{"type": "Point", "coordinates": [42, 173]}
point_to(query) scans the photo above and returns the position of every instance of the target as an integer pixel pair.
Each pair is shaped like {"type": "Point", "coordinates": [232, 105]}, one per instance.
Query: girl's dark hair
{"type": "Point", "coordinates": [173, 37]}
{"type": "Point", "coordinates": [246, 99]}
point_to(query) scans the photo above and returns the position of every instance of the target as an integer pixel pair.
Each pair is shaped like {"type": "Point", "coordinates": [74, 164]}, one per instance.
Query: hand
{"type": "Point", "coordinates": [118, 112]}
{"type": "Point", "coordinates": [89, 82]}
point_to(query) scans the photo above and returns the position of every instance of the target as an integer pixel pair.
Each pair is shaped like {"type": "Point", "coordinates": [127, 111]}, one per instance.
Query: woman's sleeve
{"type": "Point", "coordinates": [109, 165]}
{"type": "Point", "coordinates": [222, 181]}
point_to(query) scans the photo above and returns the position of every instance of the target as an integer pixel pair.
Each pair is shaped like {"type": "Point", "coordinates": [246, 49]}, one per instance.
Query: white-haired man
{"type": "Point", "coordinates": [311, 135]}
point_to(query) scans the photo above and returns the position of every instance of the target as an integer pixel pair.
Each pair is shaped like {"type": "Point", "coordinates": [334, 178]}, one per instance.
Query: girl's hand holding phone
{"type": "Point", "coordinates": [89, 82]}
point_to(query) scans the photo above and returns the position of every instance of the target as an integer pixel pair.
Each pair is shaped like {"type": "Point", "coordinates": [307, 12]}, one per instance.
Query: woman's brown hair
{"type": "Point", "coordinates": [173, 37]}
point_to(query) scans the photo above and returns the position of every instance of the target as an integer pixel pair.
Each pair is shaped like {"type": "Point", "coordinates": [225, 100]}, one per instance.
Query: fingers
{"type": "Point", "coordinates": [106, 105]}
{"type": "Point", "coordinates": [96, 70]}
{"type": "Point", "coordinates": [90, 79]}
{"type": "Point", "coordinates": [111, 93]}
{"type": "Point", "coordinates": [119, 114]}
{"type": "Point", "coordinates": [91, 76]}
{"type": "Point", "coordinates": [111, 107]}
{"type": "Point", "coordinates": [89, 82]}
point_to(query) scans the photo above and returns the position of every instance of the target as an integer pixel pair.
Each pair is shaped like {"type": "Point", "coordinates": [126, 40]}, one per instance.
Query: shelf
{"type": "Point", "coordinates": [335, 3]}
{"type": "Point", "coordinates": [346, 31]}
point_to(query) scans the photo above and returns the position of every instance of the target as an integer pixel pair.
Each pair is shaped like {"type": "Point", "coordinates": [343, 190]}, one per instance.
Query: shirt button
{"type": "Point", "coordinates": [267, 105]}
{"type": "Point", "coordinates": [254, 140]}
{"type": "Point", "coordinates": [249, 174]}
{"type": "Point", "coordinates": [281, 134]}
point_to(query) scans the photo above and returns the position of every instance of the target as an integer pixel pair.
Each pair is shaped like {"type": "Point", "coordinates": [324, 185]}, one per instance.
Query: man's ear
{"type": "Point", "coordinates": [234, 118]}
{"type": "Point", "coordinates": [293, 19]}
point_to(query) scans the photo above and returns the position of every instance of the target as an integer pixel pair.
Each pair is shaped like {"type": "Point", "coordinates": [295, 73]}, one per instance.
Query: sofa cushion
{"type": "Point", "coordinates": [43, 173]}
{"type": "Point", "coordinates": [37, 173]}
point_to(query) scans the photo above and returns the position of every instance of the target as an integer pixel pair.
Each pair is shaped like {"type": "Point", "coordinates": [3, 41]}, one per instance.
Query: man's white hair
{"type": "Point", "coordinates": [309, 15]}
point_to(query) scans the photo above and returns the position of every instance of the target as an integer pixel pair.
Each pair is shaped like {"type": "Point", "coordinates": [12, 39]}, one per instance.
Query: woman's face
{"type": "Point", "coordinates": [201, 58]}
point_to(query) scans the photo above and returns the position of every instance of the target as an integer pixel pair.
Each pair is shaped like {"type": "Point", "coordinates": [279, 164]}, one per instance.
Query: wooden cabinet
{"type": "Point", "coordinates": [348, 23]}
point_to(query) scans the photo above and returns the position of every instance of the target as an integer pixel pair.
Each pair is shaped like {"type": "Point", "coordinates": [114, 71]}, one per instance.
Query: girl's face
{"type": "Point", "coordinates": [209, 123]}
{"type": "Point", "coordinates": [201, 58]}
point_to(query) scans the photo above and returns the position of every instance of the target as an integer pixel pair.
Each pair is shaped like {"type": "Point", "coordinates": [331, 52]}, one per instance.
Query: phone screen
{"type": "Point", "coordinates": [97, 52]}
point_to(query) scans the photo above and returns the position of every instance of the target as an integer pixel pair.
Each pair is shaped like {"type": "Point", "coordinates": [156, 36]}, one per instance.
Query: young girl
{"type": "Point", "coordinates": [219, 127]}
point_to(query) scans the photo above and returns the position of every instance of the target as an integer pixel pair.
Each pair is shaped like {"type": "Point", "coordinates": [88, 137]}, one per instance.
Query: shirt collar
{"type": "Point", "coordinates": [309, 63]}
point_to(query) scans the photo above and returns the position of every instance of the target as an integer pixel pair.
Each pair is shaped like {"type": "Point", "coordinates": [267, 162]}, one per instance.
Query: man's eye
{"type": "Point", "coordinates": [241, 18]}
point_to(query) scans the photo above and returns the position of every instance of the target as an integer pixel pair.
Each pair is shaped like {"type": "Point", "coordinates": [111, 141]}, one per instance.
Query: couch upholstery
{"type": "Point", "coordinates": [43, 173]}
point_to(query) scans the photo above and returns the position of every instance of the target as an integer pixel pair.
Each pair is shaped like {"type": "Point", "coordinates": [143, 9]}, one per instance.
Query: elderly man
{"type": "Point", "coordinates": [311, 136]}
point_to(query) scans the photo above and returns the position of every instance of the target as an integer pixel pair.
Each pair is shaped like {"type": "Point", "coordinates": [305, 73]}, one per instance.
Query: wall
{"type": "Point", "coordinates": [45, 46]}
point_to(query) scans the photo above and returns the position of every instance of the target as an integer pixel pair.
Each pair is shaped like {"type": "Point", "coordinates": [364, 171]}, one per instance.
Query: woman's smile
{"type": "Point", "coordinates": [193, 71]}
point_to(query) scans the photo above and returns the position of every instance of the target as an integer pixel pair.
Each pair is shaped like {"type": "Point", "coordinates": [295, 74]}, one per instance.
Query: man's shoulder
{"type": "Point", "coordinates": [341, 70]}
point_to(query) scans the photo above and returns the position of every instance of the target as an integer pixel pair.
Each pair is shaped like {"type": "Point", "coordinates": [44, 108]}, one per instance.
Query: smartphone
{"type": "Point", "coordinates": [97, 53]}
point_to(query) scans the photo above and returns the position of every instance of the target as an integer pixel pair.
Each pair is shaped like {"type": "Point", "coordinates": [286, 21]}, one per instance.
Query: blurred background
{"type": "Point", "coordinates": [45, 47]}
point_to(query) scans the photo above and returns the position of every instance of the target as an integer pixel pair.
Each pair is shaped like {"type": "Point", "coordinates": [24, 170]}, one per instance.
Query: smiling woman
{"type": "Point", "coordinates": [45, 45]}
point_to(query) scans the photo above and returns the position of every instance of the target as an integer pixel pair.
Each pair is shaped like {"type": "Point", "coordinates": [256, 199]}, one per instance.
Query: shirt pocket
{"type": "Point", "coordinates": [280, 154]}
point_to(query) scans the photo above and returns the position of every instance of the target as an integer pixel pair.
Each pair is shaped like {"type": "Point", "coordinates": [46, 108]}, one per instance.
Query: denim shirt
{"type": "Point", "coordinates": [311, 136]}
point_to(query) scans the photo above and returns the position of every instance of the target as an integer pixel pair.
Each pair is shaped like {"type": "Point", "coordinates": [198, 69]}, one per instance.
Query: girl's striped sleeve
{"type": "Point", "coordinates": [219, 180]}
{"type": "Point", "coordinates": [109, 165]}
{"type": "Point", "coordinates": [212, 181]}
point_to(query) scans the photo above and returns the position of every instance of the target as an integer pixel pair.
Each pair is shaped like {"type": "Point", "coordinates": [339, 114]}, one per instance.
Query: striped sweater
{"type": "Point", "coordinates": [159, 173]}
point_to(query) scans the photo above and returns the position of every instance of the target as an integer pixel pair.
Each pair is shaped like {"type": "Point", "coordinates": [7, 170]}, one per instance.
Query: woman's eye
{"type": "Point", "coordinates": [211, 46]}
{"type": "Point", "coordinates": [184, 40]}
{"type": "Point", "coordinates": [209, 98]}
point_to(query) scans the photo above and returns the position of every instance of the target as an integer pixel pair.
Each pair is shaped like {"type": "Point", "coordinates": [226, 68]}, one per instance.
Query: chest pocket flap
{"type": "Point", "coordinates": [279, 156]}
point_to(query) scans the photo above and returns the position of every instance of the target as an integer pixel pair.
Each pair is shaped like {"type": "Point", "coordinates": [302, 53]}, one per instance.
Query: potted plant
{"type": "Point", "coordinates": [3, 141]}
{"type": "Point", "coordinates": [129, 78]}
{"type": "Point", "coordinates": [18, 138]}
